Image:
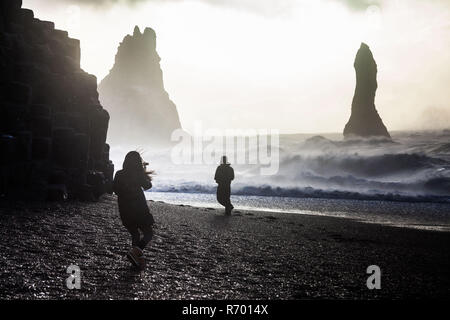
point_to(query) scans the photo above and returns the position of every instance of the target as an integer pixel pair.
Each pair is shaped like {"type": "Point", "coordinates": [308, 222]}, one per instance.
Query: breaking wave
{"type": "Point", "coordinates": [308, 192]}
{"type": "Point", "coordinates": [414, 166]}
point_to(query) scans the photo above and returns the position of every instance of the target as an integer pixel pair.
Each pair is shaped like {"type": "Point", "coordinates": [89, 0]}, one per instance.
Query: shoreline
{"type": "Point", "coordinates": [364, 211]}
{"type": "Point", "coordinates": [318, 214]}
{"type": "Point", "coordinates": [199, 253]}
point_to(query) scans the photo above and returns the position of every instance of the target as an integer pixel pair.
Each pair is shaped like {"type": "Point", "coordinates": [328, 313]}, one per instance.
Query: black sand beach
{"type": "Point", "coordinates": [198, 253]}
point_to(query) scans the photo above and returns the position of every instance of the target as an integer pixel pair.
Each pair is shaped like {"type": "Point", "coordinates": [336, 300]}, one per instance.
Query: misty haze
{"type": "Point", "coordinates": [241, 149]}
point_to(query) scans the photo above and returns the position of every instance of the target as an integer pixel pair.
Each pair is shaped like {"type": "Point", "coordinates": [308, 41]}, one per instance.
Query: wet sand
{"type": "Point", "coordinates": [199, 253]}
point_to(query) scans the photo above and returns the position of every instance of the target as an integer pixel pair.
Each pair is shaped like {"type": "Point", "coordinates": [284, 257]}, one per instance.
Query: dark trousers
{"type": "Point", "coordinates": [223, 195]}
{"type": "Point", "coordinates": [135, 232]}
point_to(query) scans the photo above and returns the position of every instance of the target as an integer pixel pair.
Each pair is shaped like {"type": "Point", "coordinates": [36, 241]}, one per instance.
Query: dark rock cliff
{"type": "Point", "coordinates": [52, 128]}
{"type": "Point", "coordinates": [133, 91]}
{"type": "Point", "coordinates": [365, 120]}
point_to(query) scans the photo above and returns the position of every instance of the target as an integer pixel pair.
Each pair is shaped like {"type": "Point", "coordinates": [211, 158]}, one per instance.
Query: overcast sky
{"type": "Point", "coordinates": [281, 64]}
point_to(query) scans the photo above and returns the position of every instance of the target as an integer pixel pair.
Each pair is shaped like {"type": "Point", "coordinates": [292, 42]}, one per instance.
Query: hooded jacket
{"type": "Point", "coordinates": [224, 174]}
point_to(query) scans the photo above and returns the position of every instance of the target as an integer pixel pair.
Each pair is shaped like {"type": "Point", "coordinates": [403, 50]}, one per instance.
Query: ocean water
{"type": "Point", "coordinates": [418, 215]}
{"type": "Point", "coordinates": [404, 182]}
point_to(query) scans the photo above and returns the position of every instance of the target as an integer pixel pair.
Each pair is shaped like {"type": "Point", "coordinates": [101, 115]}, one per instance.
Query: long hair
{"type": "Point", "coordinates": [134, 164]}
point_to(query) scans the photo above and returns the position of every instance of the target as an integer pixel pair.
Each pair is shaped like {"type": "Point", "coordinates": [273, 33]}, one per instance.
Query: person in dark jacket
{"type": "Point", "coordinates": [129, 184]}
{"type": "Point", "coordinates": [224, 175]}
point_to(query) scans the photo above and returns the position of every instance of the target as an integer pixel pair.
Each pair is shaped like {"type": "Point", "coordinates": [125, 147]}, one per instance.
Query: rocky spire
{"type": "Point", "coordinates": [136, 31]}
{"type": "Point", "coordinates": [140, 108]}
{"type": "Point", "coordinates": [364, 120]}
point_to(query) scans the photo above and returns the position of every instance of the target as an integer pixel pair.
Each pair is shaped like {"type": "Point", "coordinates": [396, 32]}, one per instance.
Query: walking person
{"type": "Point", "coordinates": [129, 185]}
{"type": "Point", "coordinates": [224, 175]}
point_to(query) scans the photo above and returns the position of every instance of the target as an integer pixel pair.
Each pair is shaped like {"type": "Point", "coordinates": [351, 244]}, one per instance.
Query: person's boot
{"type": "Point", "coordinates": [142, 263]}
{"type": "Point", "coordinates": [135, 256]}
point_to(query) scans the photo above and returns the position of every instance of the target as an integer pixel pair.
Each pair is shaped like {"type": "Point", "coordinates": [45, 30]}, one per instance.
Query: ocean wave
{"type": "Point", "coordinates": [415, 166]}
{"type": "Point", "coordinates": [321, 141]}
{"type": "Point", "coordinates": [310, 192]}
{"type": "Point", "coordinates": [384, 165]}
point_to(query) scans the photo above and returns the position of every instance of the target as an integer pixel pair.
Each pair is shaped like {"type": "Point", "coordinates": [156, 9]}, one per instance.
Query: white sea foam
{"type": "Point", "coordinates": [414, 167]}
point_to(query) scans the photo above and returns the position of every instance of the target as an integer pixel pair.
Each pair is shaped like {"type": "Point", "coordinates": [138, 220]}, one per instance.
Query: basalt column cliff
{"type": "Point", "coordinates": [52, 126]}
{"type": "Point", "coordinates": [140, 108]}
{"type": "Point", "coordinates": [364, 120]}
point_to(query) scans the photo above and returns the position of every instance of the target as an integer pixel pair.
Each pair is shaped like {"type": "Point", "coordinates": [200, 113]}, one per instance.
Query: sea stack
{"type": "Point", "coordinates": [52, 126]}
{"type": "Point", "coordinates": [140, 108]}
{"type": "Point", "coordinates": [365, 120]}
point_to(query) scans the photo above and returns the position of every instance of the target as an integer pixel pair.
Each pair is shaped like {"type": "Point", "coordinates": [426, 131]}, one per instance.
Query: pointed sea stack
{"type": "Point", "coordinates": [364, 120]}
{"type": "Point", "coordinates": [140, 108]}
